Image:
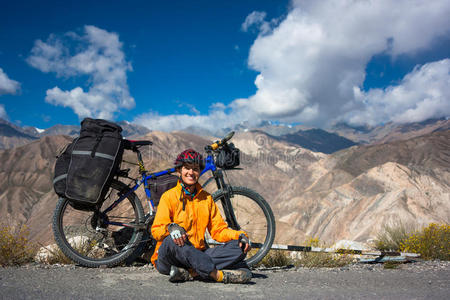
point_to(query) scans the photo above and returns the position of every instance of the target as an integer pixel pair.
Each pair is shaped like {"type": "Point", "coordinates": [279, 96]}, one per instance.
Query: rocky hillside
{"type": "Point", "coordinates": [347, 195]}
{"type": "Point", "coordinates": [391, 131]}
{"type": "Point", "coordinates": [357, 190]}
{"type": "Point", "coordinates": [26, 191]}
{"type": "Point", "coordinates": [352, 193]}
{"type": "Point", "coordinates": [318, 140]}
{"type": "Point", "coordinates": [12, 135]}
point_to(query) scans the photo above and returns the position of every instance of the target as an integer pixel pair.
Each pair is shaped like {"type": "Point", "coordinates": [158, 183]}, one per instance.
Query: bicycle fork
{"type": "Point", "coordinates": [226, 200]}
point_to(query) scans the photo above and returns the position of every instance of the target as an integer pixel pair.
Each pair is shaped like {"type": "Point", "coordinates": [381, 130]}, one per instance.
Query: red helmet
{"type": "Point", "coordinates": [190, 156]}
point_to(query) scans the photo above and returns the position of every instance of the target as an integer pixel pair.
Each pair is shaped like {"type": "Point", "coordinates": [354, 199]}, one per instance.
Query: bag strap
{"type": "Point", "coordinates": [94, 149]}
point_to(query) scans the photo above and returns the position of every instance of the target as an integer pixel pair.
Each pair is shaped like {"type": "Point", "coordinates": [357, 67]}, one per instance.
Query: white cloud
{"type": "Point", "coordinates": [312, 65]}
{"type": "Point", "coordinates": [217, 119]}
{"type": "Point", "coordinates": [256, 18]}
{"type": "Point", "coordinates": [97, 54]}
{"type": "Point", "coordinates": [3, 114]}
{"type": "Point", "coordinates": [188, 106]}
{"type": "Point", "coordinates": [424, 93]}
{"type": "Point", "coordinates": [7, 85]}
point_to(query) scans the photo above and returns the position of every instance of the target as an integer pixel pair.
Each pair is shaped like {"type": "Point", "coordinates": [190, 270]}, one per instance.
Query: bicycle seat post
{"type": "Point", "coordinates": [140, 160]}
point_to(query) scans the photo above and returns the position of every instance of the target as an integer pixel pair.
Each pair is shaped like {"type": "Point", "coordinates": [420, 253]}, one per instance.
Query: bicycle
{"type": "Point", "coordinates": [117, 231]}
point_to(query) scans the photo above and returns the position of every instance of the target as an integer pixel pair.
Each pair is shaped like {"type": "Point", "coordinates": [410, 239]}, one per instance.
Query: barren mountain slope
{"type": "Point", "coordinates": [391, 131]}
{"type": "Point", "coordinates": [368, 186]}
{"type": "Point", "coordinates": [347, 195]}
{"type": "Point", "coordinates": [12, 135]}
{"type": "Point", "coordinates": [26, 191]}
{"type": "Point", "coordinates": [428, 153]}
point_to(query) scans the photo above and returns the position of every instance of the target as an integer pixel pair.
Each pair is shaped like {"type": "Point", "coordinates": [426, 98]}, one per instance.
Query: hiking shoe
{"type": "Point", "coordinates": [237, 276]}
{"type": "Point", "coordinates": [179, 274]}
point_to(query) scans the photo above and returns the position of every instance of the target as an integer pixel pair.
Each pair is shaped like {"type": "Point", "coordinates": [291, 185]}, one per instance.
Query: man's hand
{"type": "Point", "coordinates": [244, 243]}
{"type": "Point", "coordinates": [178, 234]}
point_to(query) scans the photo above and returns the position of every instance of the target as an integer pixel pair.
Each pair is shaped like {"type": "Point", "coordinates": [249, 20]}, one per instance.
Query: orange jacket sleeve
{"type": "Point", "coordinates": [218, 228]}
{"type": "Point", "coordinates": [162, 219]}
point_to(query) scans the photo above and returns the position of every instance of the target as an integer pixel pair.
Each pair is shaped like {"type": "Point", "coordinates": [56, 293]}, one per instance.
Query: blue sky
{"type": "Point", "coordinates": [172, 64]}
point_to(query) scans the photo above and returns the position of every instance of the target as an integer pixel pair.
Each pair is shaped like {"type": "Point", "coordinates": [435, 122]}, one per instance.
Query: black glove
{"type": "Point", "coordinates": [244, 240]}
{"type": "Point", "coordinates": [175, 230]}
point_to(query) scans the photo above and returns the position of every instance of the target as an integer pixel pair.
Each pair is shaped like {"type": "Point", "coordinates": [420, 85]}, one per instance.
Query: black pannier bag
{"type": "Point", "coordinates": [228, 157]}
{"type": "Point", "coordinates": [161, 184]}
{"type": "Point", "coordinates": [61, 167]}
{"type": "Point", "coordinates": [83, 172]}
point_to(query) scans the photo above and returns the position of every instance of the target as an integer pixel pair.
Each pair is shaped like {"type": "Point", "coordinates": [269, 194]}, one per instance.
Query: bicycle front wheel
{"type": "Point", "coordinates": [95, 238]}
{"type": "Point", "coordinates": [253, 215]}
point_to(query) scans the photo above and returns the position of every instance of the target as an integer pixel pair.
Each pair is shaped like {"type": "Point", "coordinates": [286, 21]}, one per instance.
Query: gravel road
{"type": "Point", "coordinates": [418, 280]}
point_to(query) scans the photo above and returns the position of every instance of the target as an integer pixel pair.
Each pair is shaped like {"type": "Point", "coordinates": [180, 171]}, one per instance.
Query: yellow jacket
{"type": "Point", "coordinates": [199, 214]}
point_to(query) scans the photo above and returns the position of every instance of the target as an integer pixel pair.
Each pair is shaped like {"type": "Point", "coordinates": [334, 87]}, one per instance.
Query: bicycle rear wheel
{"type": "Point", "coordinates": [253, 215]}
{"type": "Point", "coordinates": [88, 237]}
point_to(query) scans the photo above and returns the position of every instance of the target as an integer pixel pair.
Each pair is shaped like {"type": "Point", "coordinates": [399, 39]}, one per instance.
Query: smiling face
{"type": "Point", "coordinates": [190, 173]}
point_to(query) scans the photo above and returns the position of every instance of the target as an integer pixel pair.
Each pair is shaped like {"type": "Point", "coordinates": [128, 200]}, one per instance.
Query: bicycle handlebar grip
{"type": "Point", "coordinates": [227, 137]}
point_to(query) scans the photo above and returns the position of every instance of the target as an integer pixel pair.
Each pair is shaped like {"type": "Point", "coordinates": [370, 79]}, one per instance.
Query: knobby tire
{"type": "Point", "coordinates": [120, 251]}
{"type": "Point", "coordinates": [254, 216]}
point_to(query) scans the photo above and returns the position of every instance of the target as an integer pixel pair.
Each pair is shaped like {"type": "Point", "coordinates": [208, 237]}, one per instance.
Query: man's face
{"type": "Point", "coordinates": [190, 174]}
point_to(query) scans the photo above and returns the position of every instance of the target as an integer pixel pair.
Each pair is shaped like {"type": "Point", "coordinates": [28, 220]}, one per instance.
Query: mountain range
{"type": "Point", "coordinates": [348, 194]}
{"type": "Point", "coordinates": [390, 131]}
{"type": "Point", "coordinates": [12, 135]}
{"type": "Point", "coordinates": [340, 136]}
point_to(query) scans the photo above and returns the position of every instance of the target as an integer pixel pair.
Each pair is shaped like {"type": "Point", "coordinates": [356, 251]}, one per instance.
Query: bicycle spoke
{"type": "Point", "coordinates": [253, 216]}
{"type": "Point", "coordinates": [94, 239]}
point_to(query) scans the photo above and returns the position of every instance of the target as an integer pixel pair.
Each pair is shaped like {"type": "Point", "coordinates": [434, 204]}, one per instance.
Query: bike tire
{"type": "Point", "coordinates": [254, 216]}
{"type": "Point", "coordinates": [109, 246]}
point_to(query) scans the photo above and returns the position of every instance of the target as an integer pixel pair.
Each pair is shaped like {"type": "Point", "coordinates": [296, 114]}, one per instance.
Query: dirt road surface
{"type": "Point", "coordinates": [424, 280]}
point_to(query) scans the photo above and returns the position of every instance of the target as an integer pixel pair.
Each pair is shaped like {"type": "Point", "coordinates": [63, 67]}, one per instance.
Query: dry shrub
{"type": "Point", "coordinates": [321, 259]}
{"type": "Point", "coordinates": [432, 242]}
{"type": "Point", "coordinates": [275, 258]}
{"type": "Point", "coordinates": [392, 236]}
{"type": "Point", "coordinates": [57, 257]}
{"type": "Point", "coordinates": [84, 247]}
{"type": "Point", "coordinates": [391, 265]}
{"type": "Point", "coordinates": [15, 246]}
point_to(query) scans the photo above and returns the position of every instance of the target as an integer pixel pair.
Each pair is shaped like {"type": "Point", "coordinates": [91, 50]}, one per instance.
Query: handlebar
{"type": "Point", "coordinates": [217, 144]}
{"type": "Point", "coordinates": [227, 137]}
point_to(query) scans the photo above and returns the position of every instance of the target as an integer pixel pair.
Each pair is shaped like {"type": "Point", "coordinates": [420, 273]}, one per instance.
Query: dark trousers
{"type": "Point", "coordinates": [226, 256]}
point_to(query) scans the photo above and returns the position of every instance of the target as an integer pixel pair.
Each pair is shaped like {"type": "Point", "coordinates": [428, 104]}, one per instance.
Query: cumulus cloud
{"type": "Point", "coordinates": [218, 118]}
{"type": "Point", "coordinates": [97, 54]}
{"type": "Point", "coordinates": [424, 93]}
{"type": "Point", "coordinates": [312, 65]}
{"type": "Point", "coordinates": [7, 85]}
